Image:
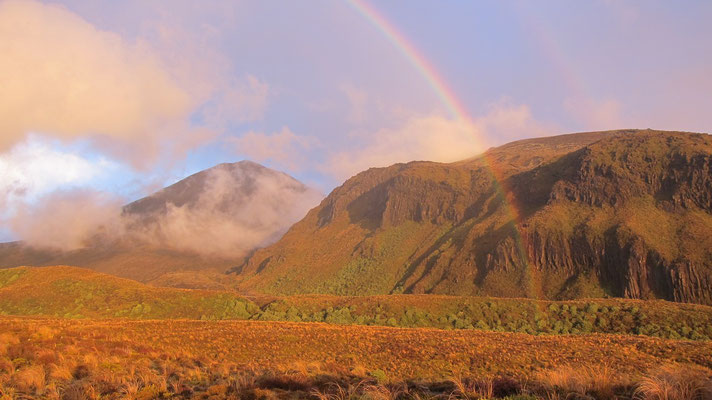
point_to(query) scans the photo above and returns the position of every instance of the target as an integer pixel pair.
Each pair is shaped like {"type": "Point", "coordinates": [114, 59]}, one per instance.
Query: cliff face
{"type": "Point", "coordinates": [624, 213]}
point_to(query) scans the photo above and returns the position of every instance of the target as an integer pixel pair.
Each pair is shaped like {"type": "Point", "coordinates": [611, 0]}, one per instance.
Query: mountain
{"type": "Point", "coordinates": [206, 222]}
{"type": "Point", "coordinates": [227, 210]}
{"type": "Point", "coordinates": [622, 213]}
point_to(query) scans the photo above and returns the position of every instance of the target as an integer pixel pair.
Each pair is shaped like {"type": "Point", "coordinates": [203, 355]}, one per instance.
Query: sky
{"type": "Point", "coordinates": [123, 98]}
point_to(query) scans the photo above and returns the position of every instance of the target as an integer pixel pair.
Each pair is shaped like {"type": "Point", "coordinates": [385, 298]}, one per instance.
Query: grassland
{"type": "Point", "coordinates": [71, 333]}
{"type": "Point", "coordinates": [76, 293]}
{"type": "Point", "coordinates": [73, 359]}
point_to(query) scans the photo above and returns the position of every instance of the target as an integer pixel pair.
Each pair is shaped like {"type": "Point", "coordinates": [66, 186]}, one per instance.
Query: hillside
{"type": "Point", "coordinates": [138, 261]}
{"type": "Point", "coordinates": [620, 213]}
{"type": "Point", "coordinates": [71, 293]}
{"type": "Point", "coordinates": [206, 222]}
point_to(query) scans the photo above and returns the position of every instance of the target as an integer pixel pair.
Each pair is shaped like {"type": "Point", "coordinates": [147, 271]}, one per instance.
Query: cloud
{"type": "Point", "coordinates": [283, 149]}
{"type": "Point", "coordinates": [505, 121]}
{"type": "Point", "coordinates": [435, 138]}
{"type": "Point", "coordinates": [35, 167]}
{"type": "Point", "coordinates": [68, 220]}
{"type": "Point", "coordinates": [233, 211]}
{"type": "Point", "coordinates": [237, 211]}
{"type": "Point", "coordinates": [150, 98]}
{"type": "Point", "coordinates": [63, 76]}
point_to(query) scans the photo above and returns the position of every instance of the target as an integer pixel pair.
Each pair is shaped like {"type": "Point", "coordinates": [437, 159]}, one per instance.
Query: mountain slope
{"type": "Point", "coordinates": [73, 292]}
{"type": "Point", "coordinates": [142, 262]}
{"type": "Point", "coordinates": [620, 213]}
{"type": "Point", "coordinates": [227, 210]}
{"type": "Point", "coordinates": [206, 222]}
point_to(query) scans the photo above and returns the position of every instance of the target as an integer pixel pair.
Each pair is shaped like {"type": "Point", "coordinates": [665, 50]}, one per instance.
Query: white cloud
{"type": "Point", "coordinates": [66, 220]}
{"type": "Point", "coordinates": [36, 167]}
{"type": "Point", "coordinates": [235, 210]}
{"type": "Point", "coordinates": [505, 122]}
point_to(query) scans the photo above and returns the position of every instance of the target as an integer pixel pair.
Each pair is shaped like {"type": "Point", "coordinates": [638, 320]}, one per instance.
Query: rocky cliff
{"type": "Point", "coordinates": [620, 213]}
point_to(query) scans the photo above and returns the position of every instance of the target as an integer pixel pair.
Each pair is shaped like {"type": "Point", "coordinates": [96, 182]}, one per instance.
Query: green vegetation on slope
{"type": "Point", "coordinates": [71, 292]}
{"type": "Point", "coordinates": [77, 293]}
{"type": "Point", "coordinates": [620, 213]}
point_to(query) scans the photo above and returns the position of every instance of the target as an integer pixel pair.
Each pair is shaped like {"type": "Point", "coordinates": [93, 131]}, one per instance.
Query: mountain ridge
{"type": "Point", "coordinates": [600, 213]}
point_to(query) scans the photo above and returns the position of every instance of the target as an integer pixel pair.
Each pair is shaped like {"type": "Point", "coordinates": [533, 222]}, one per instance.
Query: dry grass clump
{"type": "Point", "coordinates": [593, 381]}
{"type": "Point", "coordinates": [44, 333]}
{"type": "Point", "coordinates": [6, 340]}
{"type": "Point", "coordinates": [60, 373]}
{"type": "Point", "coordinates": [29, 379]}
{"type": "Point", "coordinates": [675, 382]}
{"type": "Point", "coordinates": [484, 387]}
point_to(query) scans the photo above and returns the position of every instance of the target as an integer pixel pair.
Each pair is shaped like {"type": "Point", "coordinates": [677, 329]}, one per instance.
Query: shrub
{"type": "Point", "coordinates": [379, 375]}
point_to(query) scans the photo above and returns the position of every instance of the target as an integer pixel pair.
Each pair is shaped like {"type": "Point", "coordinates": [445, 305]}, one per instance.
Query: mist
{"type": "Point", "coordinates": [225, 211]}
{"type": "Point", "coordinates": [68, 220]}
{"type": "Point", "coordinates": [235, 211]}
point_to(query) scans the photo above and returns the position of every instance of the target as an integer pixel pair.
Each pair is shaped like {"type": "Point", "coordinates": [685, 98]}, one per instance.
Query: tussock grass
{"type": "Point", "coordinates": [111, 359]}
{"type": "Point", "coordinates": [599, 381]}
{"type": "Point", "coordinates": [675, 382]}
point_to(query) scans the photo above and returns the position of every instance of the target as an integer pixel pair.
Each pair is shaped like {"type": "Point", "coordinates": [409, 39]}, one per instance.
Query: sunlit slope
{"type": "Point", "coordinates": [71, 292]}
{"type": "Point", "coordinates": [130, 260]}
{"type": "Point", "coordinates": [80, 293]}
{"type": "Point", "coordinates": [620, 213]}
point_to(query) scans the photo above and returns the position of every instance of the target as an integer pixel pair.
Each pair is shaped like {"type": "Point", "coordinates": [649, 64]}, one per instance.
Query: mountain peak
{"type": "Point", "coordinates": [208, 220]}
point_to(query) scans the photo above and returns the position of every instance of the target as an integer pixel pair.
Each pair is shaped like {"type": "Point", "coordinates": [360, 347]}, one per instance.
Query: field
{"type": "Point", "coordinates": [71, 333]}
{"type": "Point", "coordinates": [89, 359]}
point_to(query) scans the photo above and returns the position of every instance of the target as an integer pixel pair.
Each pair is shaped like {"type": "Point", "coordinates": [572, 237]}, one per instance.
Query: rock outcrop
{"type": "Point", "coordinates": [621, 213]}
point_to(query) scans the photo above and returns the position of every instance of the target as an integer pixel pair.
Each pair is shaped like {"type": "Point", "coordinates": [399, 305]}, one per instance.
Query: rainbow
{"type": "Point", "coordinates": [449, 99]}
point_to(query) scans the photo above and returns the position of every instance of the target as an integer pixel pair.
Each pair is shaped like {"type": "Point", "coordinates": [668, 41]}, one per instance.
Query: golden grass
{"type": "Point", "coordinates": [598, 380]}
{"type": "Point", "coordinates": [112, 359]}
{"type": "Point", "coordinates": [6, 340]}
{"type": "Point", "coordinates": [674, 382]}
{"type": "Point", "coordinates": [29, 379]}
